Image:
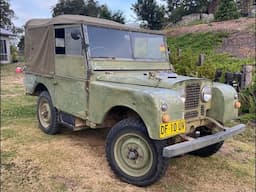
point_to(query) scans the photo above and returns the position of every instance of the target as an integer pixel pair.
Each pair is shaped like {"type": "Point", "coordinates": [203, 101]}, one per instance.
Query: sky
{"type": "Point", "coordinates": [28, 9]}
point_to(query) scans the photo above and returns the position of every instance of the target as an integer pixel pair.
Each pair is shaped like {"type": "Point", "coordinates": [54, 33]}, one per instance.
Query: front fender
{"type": "Point", "coordinates": [223, 100]}
{"type": "Point", "coordinates": [146, 101]}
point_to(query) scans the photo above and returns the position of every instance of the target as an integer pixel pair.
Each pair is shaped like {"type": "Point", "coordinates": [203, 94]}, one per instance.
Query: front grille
{"type": "Point", "coordinates": [192, 95]}
{"type": "Point", "coordinates": [191, 114]}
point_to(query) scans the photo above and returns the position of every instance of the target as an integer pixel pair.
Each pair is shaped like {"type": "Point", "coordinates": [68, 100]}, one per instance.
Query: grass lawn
{"type": "Point", "coordinates": [75, 161]}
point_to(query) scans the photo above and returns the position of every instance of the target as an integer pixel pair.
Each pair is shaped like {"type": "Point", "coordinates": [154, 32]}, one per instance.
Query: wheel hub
{"type": "Point", "coordinates": [133, 154]}
{"type": "Point", "coordinates": [44, 113]}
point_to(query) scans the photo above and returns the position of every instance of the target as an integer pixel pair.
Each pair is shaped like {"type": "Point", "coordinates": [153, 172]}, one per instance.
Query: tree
{"type": "Point", "coordinates": [245, 6]}
{"type": "Point", "coordinates": [88, 8]}
{"type": "Point", "coordinates": [69, 7]}
{"type": "Point", "coordinates": [150, 12]}
{"type": "Point", "coordinates": [227, 10]}
{"type": "Point", "coordinates": [106, 13]}
{"type": "Point", "coordinates": [21, 44]}
{"type": "Point", "coordinates": [7, 14]}
{"type": "Point", "coordinates": [213, 5]}
{"type": "Point", "coordinates": [179, 8]}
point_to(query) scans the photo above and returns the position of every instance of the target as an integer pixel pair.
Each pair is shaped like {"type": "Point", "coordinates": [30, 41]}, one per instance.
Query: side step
{"type": "Point", "coordinates": [72, 122]}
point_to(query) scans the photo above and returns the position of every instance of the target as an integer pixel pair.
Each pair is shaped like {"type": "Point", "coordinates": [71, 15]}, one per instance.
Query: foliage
{"type": "Point", "coordinates": [14, 53]}
{"type": "Point", "coordinates": [248, 99]}
{"type": "Point", "coordinates": [149, 12]}
{"type": "Point", "coordinates": [21, 43]}
{"type": "Point", "coordinates": [227, 10]}
{"type": "Point", "coordinates": [244, 6]}
{"type": "Point", "coordinates": [179, 8]}
{"type": "Point", "coordinates": [88, 8]}
{"type": "Point", "coordinates": [7, 14]}
{"type": "Point", "coordinates": [192, 45]}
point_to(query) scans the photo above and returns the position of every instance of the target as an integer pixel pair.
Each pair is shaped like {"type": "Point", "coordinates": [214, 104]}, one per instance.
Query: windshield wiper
{"type": "Point", "coordinates": [105, 57]}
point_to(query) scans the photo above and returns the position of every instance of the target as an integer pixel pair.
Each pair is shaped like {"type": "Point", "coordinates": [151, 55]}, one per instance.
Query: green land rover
{"type": "Point", "coordinates": [95, 73]}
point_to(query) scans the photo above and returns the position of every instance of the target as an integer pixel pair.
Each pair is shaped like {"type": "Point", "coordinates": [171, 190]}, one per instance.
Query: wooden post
{"type": "Point", "coordinates": [247, 71]}
{"type": "Point", "coordinates": [201, 60]}
{"type": "Point", "coordinates": [179, 52]}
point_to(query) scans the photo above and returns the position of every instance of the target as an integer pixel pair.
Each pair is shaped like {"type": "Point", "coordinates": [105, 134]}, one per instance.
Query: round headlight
{"type": "Point", "coordinates": [206, 93]}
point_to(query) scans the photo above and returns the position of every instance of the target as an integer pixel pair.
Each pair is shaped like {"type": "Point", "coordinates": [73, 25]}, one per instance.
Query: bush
{"type": "Point", "coordinates": [248, 99]}
{"type": "Point", "coordinates": [227, 10]}
{"type": "Point", "coordinates": [14, 53]}
{"type": "Point", "coordinates": [194, 44]}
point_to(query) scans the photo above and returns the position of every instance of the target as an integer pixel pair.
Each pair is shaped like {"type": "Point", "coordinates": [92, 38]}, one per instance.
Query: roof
{"type": "Point", "coordinates": [5, 32]}
{"type": "Point", "coordinates": [79, 19]}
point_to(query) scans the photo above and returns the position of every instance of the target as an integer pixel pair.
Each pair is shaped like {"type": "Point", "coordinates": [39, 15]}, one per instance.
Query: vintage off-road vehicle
{"type": "Point", "coordinates": [94, 73]}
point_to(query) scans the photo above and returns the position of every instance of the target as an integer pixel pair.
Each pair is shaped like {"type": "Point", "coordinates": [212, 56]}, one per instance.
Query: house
{"type": "Point", "coordinates": [5, 40]}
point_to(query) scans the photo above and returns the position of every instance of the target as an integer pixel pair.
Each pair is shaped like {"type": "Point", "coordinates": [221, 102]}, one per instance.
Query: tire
{"type": "Point", "coordinates": [132, 155]}
{"type": "Point", "coordinates": [209, 150]}
{"type": "Point", "coordinates": [47, 115]}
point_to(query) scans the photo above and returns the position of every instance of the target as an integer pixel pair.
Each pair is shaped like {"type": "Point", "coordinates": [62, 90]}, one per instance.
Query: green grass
{"type": "Point", "coordinates": [203, 43]}
{"type": "Point", "coordinates": [75, 161]}
{"type": "Point", "coordinates": [198, 42]}
{"type": "Point", "coordinates": [8, 133]}
{"type": "Point", "coordinates": [7, 155]}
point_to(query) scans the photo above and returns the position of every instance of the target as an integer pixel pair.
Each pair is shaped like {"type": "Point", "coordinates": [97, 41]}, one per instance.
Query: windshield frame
{"type": "Point", "coordinates": [133, 58]}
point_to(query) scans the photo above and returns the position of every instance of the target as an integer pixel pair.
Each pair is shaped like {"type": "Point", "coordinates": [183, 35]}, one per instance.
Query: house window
{"type": "Point", "coordinates": [3, 51]}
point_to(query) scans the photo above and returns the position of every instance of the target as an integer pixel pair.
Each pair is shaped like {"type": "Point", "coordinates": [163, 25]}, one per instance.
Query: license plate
{"type": "Point", "coordinates": [172, 128]}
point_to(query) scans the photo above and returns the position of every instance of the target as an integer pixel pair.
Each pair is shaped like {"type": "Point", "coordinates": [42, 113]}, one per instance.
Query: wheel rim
{"type": "Point", "coordinates": [133, 154]}
{"type": "Point", "coordinates": [44, 113]}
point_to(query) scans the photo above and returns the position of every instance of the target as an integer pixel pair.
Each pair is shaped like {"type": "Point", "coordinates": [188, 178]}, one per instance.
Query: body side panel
{"type": "Point", "coordinates": [143, 100]}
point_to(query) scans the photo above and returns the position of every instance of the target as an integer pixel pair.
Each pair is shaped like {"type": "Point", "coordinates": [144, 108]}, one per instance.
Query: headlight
{"type": "Point", "coordinates": [206, 93]}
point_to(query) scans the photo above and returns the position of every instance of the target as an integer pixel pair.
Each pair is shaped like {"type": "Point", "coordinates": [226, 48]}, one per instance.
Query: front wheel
{"type": "Point", "coordinates": [132, 155]}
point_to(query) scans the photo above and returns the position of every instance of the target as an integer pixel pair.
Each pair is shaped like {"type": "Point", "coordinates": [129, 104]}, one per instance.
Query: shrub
{"type": "Point", "coordinates": [227, 10]}
{"type": "Point", "coordinates": [248, 99]}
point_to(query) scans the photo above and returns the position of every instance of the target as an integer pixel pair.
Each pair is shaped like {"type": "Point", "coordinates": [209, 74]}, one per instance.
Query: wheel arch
{"type": "Point", "coordinates": [118, 113]}
{"type": "Point", "coordinates": [39, 88]}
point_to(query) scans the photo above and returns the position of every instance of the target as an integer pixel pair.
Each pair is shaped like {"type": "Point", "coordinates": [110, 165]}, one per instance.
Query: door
{"type": "Point", "coordinates": [70, 71]}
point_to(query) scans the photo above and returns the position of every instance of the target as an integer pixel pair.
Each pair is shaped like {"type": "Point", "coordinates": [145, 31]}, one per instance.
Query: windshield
{"type": "Point", "coordinates": [113, 43]}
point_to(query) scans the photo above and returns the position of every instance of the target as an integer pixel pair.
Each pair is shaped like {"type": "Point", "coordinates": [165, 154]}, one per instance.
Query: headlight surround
{"type": "Point", "coordinates": [182, 94]}
{"type": "Point", "coordinates": [206, 93]}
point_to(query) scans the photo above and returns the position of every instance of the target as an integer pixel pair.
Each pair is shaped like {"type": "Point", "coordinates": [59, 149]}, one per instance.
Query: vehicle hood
{"type": "Point", "coordinates": [151, 79]}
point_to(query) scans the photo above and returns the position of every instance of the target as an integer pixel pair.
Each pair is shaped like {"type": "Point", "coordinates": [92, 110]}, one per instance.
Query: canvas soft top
{"type": "Point", "coordinates": [79, 19]}
{"type": "Point", "coordinates": [40, 39]}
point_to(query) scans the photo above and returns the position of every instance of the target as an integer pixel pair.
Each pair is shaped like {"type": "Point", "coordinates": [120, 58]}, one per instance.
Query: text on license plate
{"type": "Point", "coordinates": [172, 128]}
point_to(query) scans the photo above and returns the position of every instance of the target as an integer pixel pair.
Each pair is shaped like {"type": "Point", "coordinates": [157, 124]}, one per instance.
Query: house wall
{"type": "Point", "coordinates": [6, 38]}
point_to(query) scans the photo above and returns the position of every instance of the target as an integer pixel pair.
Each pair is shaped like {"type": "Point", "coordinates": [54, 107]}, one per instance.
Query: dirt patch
{"type": "Point", "coordinates": [241, 44]}
{"type": "Point", "coordinates": [75, 161]}
{"type": "Point", "coordinates": [239, 25]}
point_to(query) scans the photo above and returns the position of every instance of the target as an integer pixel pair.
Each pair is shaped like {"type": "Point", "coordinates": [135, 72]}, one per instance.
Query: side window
{"type": "Point", "coordinates": [60, 41]}
{"type": "Point", "coordinates": [68, 41]}
{"type": "Point", "coordinates": [73, 41]}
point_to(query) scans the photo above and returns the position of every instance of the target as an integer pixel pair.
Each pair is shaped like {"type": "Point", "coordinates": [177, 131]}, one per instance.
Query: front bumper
{"type": "Point", "coordinates": [201, 142]}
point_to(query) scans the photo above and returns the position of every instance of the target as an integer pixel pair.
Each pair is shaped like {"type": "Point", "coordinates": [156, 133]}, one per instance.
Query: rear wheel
{"type": "Point", "coordinates": [132, 155]}
{"type": "Point", "coordinates": [46, 114]}
{"type": "Point", "coordinates": [209, 150]}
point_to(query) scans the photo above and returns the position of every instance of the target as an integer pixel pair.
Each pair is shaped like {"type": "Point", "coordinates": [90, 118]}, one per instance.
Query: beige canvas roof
{"type": "Point", "coordinates": [40, 40]}
{"type": "Point", "coordinates": [79, 19]}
